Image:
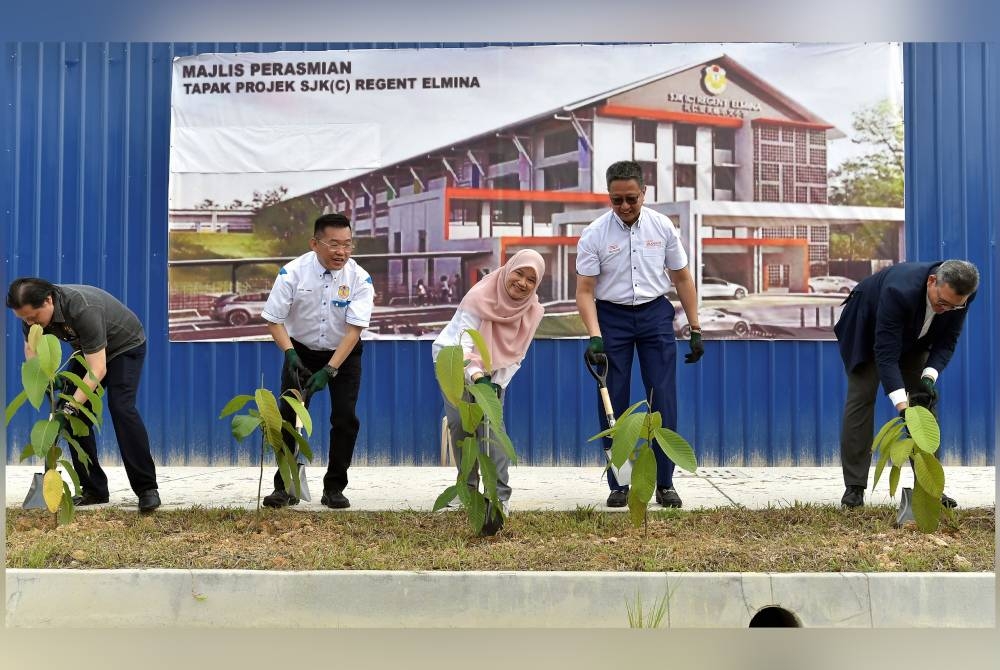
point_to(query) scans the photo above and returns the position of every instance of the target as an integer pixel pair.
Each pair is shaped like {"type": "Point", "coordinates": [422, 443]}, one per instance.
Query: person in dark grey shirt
{"type": "Point", "coordinates": [113, 342]}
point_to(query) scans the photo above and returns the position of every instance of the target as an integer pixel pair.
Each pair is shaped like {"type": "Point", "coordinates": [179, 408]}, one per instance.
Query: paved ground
{"type": "Point", "coordinates": [535, 488]}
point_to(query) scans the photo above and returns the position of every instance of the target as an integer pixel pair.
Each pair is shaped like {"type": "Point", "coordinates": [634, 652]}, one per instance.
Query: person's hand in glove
{"type": "Point", "coordinates": [485, 379]}
{"type": "Point", "coordinates": [300, 373]}
{"type": "Point", "coordinates": [63, 412]}
{"type": "Point", "coordinates": [697, 348]}
{"type": "Point", "coordinates": [595, 351]}
{"type": "Point", "coordinates": [927, 386]}
{"type": "Point", "coordinates": [320, 380]}
{"type": "Point", "coordinates": [922, 399]}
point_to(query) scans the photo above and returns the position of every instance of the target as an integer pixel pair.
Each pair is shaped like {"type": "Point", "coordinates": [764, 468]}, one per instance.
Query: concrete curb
{"type": "Point", "coordinates": [476, 599]}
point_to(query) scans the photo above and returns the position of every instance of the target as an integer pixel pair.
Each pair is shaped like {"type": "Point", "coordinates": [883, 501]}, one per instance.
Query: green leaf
{"type": "Point", "coordinates": [484, 352]}
{"type": "Point", "coordinates": [66, 511]}
{"type": "Point", "coordinates": [490, 404]}
{"type": "Point", "coordinates": [631, 409]}
{"type": "Point", "coordinates": [35, 334]}
{"type": "Point", "coordinates": [883, 458]}
{"type": "Point", "coordinates": [93, 397]}
{"type": "Point", "coordinates": [923, 429]}
{"type": "Point", "coordinates": [470, 452]}
{"type": "Point", "coordinates": [488, 474]}
{"type": "Point", "coordinates": [888, 433]}
{"type": "Point", "coordinates": [28, 451]}
{"type": "Point", "coordinates": [90, 372]}
{"type": "Point", "coordinates": [15, 405]}
{"type": "Point", "coordinates": [78, 426]}
{"type": "Point", "coordinates": [472, 416]}
{"type": "Point", "coordinates": [52, 457]}
{"type": "Point", "coordinates": [603, 433]}
{"type": "Point", "coordinates": [34, 381]}
{"type": "Point", "coordinates": [929, 473]}
{"type": "Point", "coordinates": [269, 412]}
{"type": "Point", "coordinates": [44, 433]}
{"type": "Point", "coordinates": [449, 369]}
{"type": "Point", "coordinates": [627, 433]}
{"type": "Point", "coordinates": [653, 421]}
{"type": "Point", "coordinates": [81, 455]}
{"type": "Point", "coordinates": [300, 441]}
{"type": "Point", "coordinates": [642, 487]}
{"type": "Point", "coordinates": [289, 471]}
{"type": "Point", "coordinates": [677, 449]}
{"type": "Point", "coordinates": [244, 424]}
{"type": "Point", "coordinates": [926, 508]}
{"type": "Point", "coordinates": [476, 507]}
{"type": "Point", "coordinates": [446, 497]}
{"type": "Point", "coordinates": [235, 405]}
{"type": "Point", "coordinates": [900, 451]}
{"type": "Point", "coordinates": [301, 412]}
{"type": "Point", "coordinates": [893, 480]}
{"type": "Point", "coordinates": [95, 419]}
{"type": "Point", "coordinates": [507, 446]}
{"type": "Point", "coordinates": [71, 471]}
{"type": "Point", "coordinates": [52, 356]}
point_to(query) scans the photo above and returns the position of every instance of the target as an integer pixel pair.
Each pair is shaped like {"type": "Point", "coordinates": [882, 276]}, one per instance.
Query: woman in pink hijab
{"type": "Point", "coordinates": [504, 308]}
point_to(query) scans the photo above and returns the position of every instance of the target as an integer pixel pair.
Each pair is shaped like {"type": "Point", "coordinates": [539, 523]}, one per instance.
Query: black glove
{"type": "Point", "coordinates": [697, 348]}
{"type": "Point", "coordinates": [64, 410]}
{"type": "Point", "coordinates": [595, 349]}
{"type": "Point", "coordinates": [321, 379]}
{"type": "Point", "coordinates": [485, 379]}
{"type": "Point", "coordinates": [927, 386]}
{"type": "Point", "coordinates": [300, 373]}
{"type": "Point", "coordinates": [921, 399]}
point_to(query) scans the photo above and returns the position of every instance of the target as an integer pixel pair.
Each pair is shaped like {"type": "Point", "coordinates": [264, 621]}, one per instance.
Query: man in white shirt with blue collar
{"type": "Point", "coordinates": [625, 263]}
{"type": "Point", "coordinates": [320, 303]}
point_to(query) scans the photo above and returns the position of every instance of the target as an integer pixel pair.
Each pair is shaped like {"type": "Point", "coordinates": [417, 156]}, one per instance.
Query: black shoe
{"type": "Point", "coordinates": [668, 497]}
{"type": "Point", "coordinates": [854, 496]}
{"type": "Point", "coordinates": [335, 499]}
{"type": "Point", "coordinates": [149, 500]}
{"type": "Point", "coordinates": [493, 522]}
{"type": "Point", "coordinates": [89, 498]}
{"type": "Point", "coordinates": [948, 501]}
{"type": "Point", "coordinates": [279, 498]}
{"type": "Point", "coordinates": [618, 498]}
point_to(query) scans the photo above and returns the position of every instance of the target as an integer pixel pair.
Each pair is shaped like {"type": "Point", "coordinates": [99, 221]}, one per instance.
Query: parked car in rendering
{"type": "Point", "coordinates": [716, 321]}
{"type": "Point", "coordinates": [716, 287]}
{"type": "Point", "coordinates": [831, 284]}
{"type": "Point", "coordinates": [239, 310]}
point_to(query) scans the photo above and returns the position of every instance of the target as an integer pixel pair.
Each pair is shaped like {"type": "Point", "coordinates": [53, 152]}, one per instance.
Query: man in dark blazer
{"type": "Point", "coordinates": [898, 327]}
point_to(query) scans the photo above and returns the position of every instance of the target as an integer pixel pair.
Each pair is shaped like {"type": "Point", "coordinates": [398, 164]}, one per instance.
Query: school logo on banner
{"type": "Point", "coordinates": [714, 81]}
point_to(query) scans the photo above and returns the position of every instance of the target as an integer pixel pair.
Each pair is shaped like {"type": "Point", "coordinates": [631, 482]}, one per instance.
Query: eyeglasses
{"type": "Point", "coordinates": [333, 246]}
{"type": "Point", "coordinates": [617, 200]}
{"type": "Point", "coordinates": [944, 304]}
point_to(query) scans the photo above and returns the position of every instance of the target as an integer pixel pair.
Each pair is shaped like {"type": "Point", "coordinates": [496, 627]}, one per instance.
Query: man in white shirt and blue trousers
{"type": "Point", "coordinates": [626, 260]}
{"type": "Point", "coordinates": [317, 309]}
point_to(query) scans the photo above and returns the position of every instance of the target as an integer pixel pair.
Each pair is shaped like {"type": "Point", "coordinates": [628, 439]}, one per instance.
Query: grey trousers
{"type": "Point", "coordinates": [496, 453]}
{"type": "Point", "coordinates": [857, 429]}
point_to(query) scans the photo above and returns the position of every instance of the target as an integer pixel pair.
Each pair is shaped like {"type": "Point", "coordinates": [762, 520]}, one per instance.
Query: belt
{"type": "Point", "coordinates": [630, 308]}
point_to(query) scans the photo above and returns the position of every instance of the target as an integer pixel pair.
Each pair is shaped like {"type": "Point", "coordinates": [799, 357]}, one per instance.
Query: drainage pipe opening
{"type": "Point", "coordinates": [775, 617]}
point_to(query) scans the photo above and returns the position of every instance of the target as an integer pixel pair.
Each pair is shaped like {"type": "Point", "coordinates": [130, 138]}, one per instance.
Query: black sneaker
{"type": "Point", "coordinates": [149, 500]}
{"type": "Point", "coordinates": [279, 498]}
{"type": "Point", "coordinates": [948, 501]}
{"type": "Point", "coordinates": [335, 499]}
{"type": "Point", "coordinates": [667, 496]}
{"type": "Point", "coordinates": [854, 496]}
{"type": "Point", "coordinates": [618, 498]}
{"type": "Point", "coordinates": [89, 498]}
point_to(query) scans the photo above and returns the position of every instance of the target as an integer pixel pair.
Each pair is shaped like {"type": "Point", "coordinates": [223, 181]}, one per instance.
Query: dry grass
{"type": "Point", "coordinates": [803, 538]}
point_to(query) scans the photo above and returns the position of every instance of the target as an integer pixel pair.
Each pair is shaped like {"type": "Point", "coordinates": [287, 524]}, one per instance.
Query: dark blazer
{"type": "Point", "coordinates": [882, 318]}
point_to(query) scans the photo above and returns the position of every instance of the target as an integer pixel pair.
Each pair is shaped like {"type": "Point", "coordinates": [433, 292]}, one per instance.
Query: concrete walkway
{"type": "Point", "coordinates": [535, 488]}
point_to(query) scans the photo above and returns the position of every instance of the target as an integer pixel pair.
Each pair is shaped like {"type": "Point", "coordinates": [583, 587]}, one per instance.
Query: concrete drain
{"type": "Point", "coordinates": [774, 617]}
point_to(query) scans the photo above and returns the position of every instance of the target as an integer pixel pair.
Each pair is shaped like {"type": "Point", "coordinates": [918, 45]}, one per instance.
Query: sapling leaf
{"type": "Point", "coordinates": [52, 490]}
{"type": "Point", "coordinates": [923, 428]}
{"type": "Point", "coordinates": [235, 405]}
{"type": "Point", "coordinates": [14, 405]}
{"type": "Point", "coordinates": [926, 508]}
{"type": "Point", "coordinates": [893, 480]}
{"type": "Point", "coordinates": [449, 369]}
{"type": "Point", "coordinates": [627, 433]}
{"type": "Point", "coordinates": [446, 497]}
{"type": "Point", "coordinates": [484, 351]}
{"type": "Point", "coordinates": [928, 471]}
{"type": "Point", "coordinates": [34, 381]}
{"type": "Point", "coordinates": [677, 449]}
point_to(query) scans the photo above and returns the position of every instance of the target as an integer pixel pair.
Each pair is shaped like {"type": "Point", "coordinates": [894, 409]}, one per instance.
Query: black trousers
{"type": "Point", "coordinates": [857, 429]}
{"type": "Point", "coordinates": [121, 382]}
{"type": "Point", "coordinates": [344, 423]}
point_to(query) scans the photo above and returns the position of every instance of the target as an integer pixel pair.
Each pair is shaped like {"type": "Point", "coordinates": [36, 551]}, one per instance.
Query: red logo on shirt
{"type": "Point", "coordinates": [613, 248]}
{"type": "Point", "coordinates": [654, 244]}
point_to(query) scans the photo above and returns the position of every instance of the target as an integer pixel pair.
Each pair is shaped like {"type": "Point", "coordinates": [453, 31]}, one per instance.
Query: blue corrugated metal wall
{"type": "Point", "coordinates": [84, 194]}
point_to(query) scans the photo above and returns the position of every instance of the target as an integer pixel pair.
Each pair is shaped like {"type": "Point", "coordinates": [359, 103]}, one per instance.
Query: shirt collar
{"type": "Point", "coordinates": [57, 307]}
{"type": "Point", "coordinates": [318, 267]}
{"type": "Point", "coordinates": [621, 224]}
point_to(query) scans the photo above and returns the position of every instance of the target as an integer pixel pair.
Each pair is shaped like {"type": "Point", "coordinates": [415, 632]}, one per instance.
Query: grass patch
{"type": "Point", "coordinates": [802, 538]}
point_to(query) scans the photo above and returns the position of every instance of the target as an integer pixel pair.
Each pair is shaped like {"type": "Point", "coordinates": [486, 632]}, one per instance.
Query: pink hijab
{"type": "Point", "coordinates": [507, 324]}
